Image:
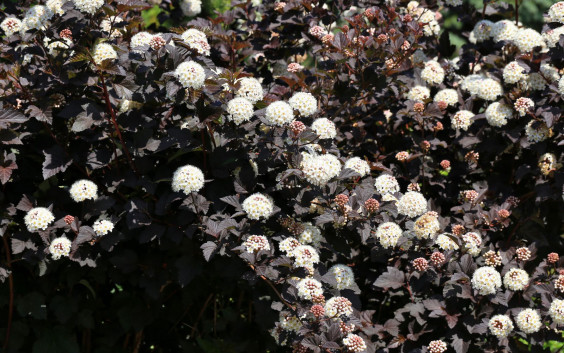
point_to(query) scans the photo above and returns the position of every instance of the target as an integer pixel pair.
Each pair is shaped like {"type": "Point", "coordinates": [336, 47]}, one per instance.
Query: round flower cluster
{"type": "Point", "coordinates": [11, 25]}
{"type": "Point", "coordinates": [472, 242]}
{"type": "Point", "coordinates": [556, 12]}
{"type": "Point", "coordinates": [402, 156]}
{"type": "Point", "coordinates": [552, 36]}
{"type": "Point", "coordinates": [449, 96]}
{"type": "Point", "coordinates": [388, 234]}
{"type": "Point", "coordinates": [60, 247]}
{"type": "Point", "coordinates": [57, 47]}
{"type": "Point", "coordinates": [503, 30]}
{"type": "Point", "coordinates": [462, 120]}
{"type": "Point", "coordinates": [297, 127]}
{"type": "Point", "coordinates": [310, 234]}
{"type": "Point", "coordinates": [344, 276]}
{"type": "Point", "coordinates": [420, 264]}
{"type": "Point", "coordinates": [556, 311]}
{"type": "Point", "coordinates": [279, 113]}
{"type": "Point", "coordinates": [358, 165]}
{"type": "Point", "coordinates": [88, 6]}
{"type": "Point", "coordinates": [526, 39]}
{"type": "Point", "coordinates": [288, 246]}
{"type": "Point", "coordinates": [304, 102]}
{"type": "Point", "coordinates": [290, 322]}
{"type": "Point", "coordinates": [523, 105]}
{"type": "Point", "coordinates": [317, 31]}
{"type": "Point", "coordinates": [294, 67]}
{"type": "Point", "coordinates": [552, 258]}
{"type": "Point", "coordinates": [444, 242]}
{"type": "Point", "coordinates": [492, 258]}
{"type": "Point", "coordinates": [197, 40]}
{"type": "Point", "coordinates": [550, 72]}
{"type": "Point", "coordinates": [256, 243]}
{"type": "Point", "coordinates": [433, 73]}
{"type": "Point", "coordinates": [38, 218]}
{"type": "Point", "coordinates": [251, 89]}
{"type": "Point", "coordinates": [258, 206]}
{"type": "Point", "coordinates": [412, 204]}
{"type": "Point", "coordinates": [140, 39]}
{"type": "Point", "coordinates": [338, 306]}
{"type": "Point", "coordinates": [437, 346]}
{"type": "Point", "coordinates": [528, 321]}
{"type": "Point", "coordinates": [523, 254]}
{"type": "Point", "coordinates": [305, 256]}
{"type": "Point", "coordinates": [486, 280]}
{"type": "Point", "coordinates": [516, 279]}
{"type": "Point", "coordinates": [559, 283]}
{"type": "Point", "coordinates": [426, 226]}
{"type": "Point", "coordinates": [325, 128]}
{"type": "Point", "coordinates": [371, 205]}
{"type": "Point", "coordinates": [188, 179]}
{"type": "Point", "coordinates": [83, 190]}
{"type": "Point", "coordinates": [191, 8]}
{"type": "Point", "coordinates": [354, 343]}
{"type": "Point", "coordinates": [36, 17]}
{"type": "Point", "coordinates": [240, 110]}
{"type": "Point", "coordinates": [190, 74]}
{"type": "Point", "coordinates": [489, 89]}
{"type": "Point", "coordinates": [547, 163]}
{"type": "Point", "coordinates": [500, 325]}
{"type": "Point", "coordinates": [102, 227]}
{"type": "Point", "coordinates": [309, 288]}
{"type": "Point", "coordinates": [318, 170]}
{"type": "Point", "coordinates": [106, 26]}
{"type": "Point", "coordinates": [472, 84]}
{"type": "Point", "coordinates": [437, 258]}
{"type": "Point", "coordinates": [102, 52]}
{"type": "Point", "coordinates": [386, 184]}
{"type": "Point", "coordinates": [513, 72]}
{"type": "Point", "coordinates": [534, 82]}
{"type": "Point", "coordinates": [418, 93]}
{"type": "Point", "coordinates": [482, 31]}
{"type": "Point", "coordinates": [537, 131]}
{"type": "Point", "coordinates": [498, 113]}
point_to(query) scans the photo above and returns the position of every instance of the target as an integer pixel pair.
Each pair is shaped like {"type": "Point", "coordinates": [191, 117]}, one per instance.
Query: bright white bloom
{"type": "Point", "coordinates": [528, 321]}
{"type": "Point", "coordinates": [426, 226]}
{"type": "Point", "coordinates": [305, 256]}
{"type": "Point", "coordinates": [304, 102]}
{"type": "Point", "coordinates": [318, 170]}
{"type": "Point", "coordinates": [498, 113]}
{"type": "Point", "coordinates": [344, 276]}
{"type": "Point", "coordinates": [102, 52]}
{"type": "Point", "coordinates": [289, 322]}
{"type": "Point", "coordinates": [258, 206]}
{"type": "Point", "coordinates": [358, 165]}
{"type": "Point", "coordinates": [60, 247]}
{"type": "Point", "coordinates": [500, 325]}
{"type": "Point", "coordinates": [11, 25]}
{"type": "Point", "coordinates": [57, 47]}
{"type": "Point", "coordinates": [188, 179]}
{"type": "Point", "coordinates": [412, 204]}
{"type": "Point", "coordinates": [190, 74]}
{"type": "Point", "coordinates": [534, 82]}
{"type": "Point", "coordinates": [317, 31]}
{"type": "Point", "coordinates": [386, 184]}
{"type": "Point", "coordinates": [449, 96]}
{"type": "Point", "coordinates": [537, 131]}
{"type": "Point", "coordinates": [557, 311]}
{"type": "Point", "coordinates": [310, 234]}
{"type": "Point", "coordinates": [240, 110]}
{"type": "Point", "coordinates": [354, 343]}
{"type": "Point", "coordinates": [503, 30]}
{"type": "Point", "coordinates": [83, 190]}
{"type": "Point", "coordinates": [489, 89]}
{"type": "Point", "coordinates": [549, 72]}
{"type": "Point", "coordinates": [288, 246]}
{"type": "Point", "coordinates": [472, 243]}
{"type": "Point", "coordinates": [56, 6]}
{"type": "Point", "coordinates": [38, 218]}
{"type": "Point", "coordinates": [197, 40]}
{"type": "Point", "coordinates": [523, 105]}
{"type": "Point", "coordinates": [388, 234]}
{"type": "Point", "coordinates": [36, 18]}
{"type": "Point", "coordinates": [309, 288]}
{"type": "Point", "coordinates": [250, 88]}
{"type": "Point", "coordinates": [337, 307]}
{"type": "Point", "coordinates": [88, 6]}
{"type": "Point", "coordinates": [325, 128]}
{"type": "Point", "coordinates": [552, 36]}
{"type": "Point", "coordinates": [472, 83]}
{"type": "Point", "coordinates": [482, 30]}
{"type": "Point", "coordinates": [445, 242]}
{"type": "Point", "coordinates": [513, 72]}
{"type": "Point", "coordinates": [106, 26]}
{"type": "Point", "coordinates": [526, 39]}
{"type": "Point", "coordinates": [419, 93]}
{"type": "Point", "coordinates": [556, 12]}
{"type": "Point", "coordinates": [256, 243]}
{"type": "Point", "coordinates": [516, 279]}
{"type": "Point", "coordinates": [139, 40]}
{"type": "Point", "coordinates": [191, 8]}
{"type": "Point", "coordinates": [433, 73]}
{"type": "Point", "coordinates": [102, 227]}
{"type": "Point", "coordinates": [279, 113]}
{"type": "Point", "coordinates": [462, 120]}
{"type": "Point", "coordinates": [486, 280]}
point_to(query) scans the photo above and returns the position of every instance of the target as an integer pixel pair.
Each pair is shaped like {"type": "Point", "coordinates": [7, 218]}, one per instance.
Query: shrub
{"type": "Point", "coordinates": [353, 175]}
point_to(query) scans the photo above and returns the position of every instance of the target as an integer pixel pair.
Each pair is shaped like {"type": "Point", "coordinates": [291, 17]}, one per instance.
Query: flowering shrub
{"type": "Point", "coordinates": [301, 176]}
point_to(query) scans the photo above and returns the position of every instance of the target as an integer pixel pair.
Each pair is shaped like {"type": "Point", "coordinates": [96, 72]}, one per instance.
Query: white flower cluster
{"type": "Point", "coordinates": [537, 131]}
{"type": "Point", "coordinates": [386, 184]}
{"type": "Point", "coordinates": [418, 93]}
{"type": "Point", "coordinates": [191, 8]}
{"type": "Point", "coordinates": [338, 306]}
{"type": "Point", "coordinates": [426, 226]}
{"type": "Point", "coordinates": [102, 227]}
{"type": "Point", "coordinates": [344, 276]}
{"type": "Point", "coordinates": [256, 243]}
{"type": "Point", "coordinates": [197, 40]}
{"type": "Point", "coordinates": [552, 36]}
{"type": "Point", "coordinates": [309, 288]}
{"type": "Point", "coordinates": [388, 234]}
{"type": "Point", "coordinates": [11, 25]}
{"type": "Point", "coordinates": [325, 128]}
{"type": "Point", "coordinates": [556, 311]}
{"type": "Point", "coordinates": [305, 256]}
{"type": "Point", "coordinates": [433, 73]}
{"type": "Point", "coordinates": [106, 26]}
{"type": "Point", "coordinates": [36, 17]}
{"type": "Point", "coordinates": [489, 89]}
{"type": "Point", "coordinates": [310, 234]}
{"type": "Point", "coordinates": [358, 165]}
{"type": "Point", "coordinates": [486, 280]}
{"type": "Point", "coordinates": [258, 206]}
{"type": "Point", "coordinates": [472, 243]}
{"type": "Point", "coordinates": [60, 247]}
{"type": "Point", "coordinates": [319, 169]}
{"type": "Point", "coordinates": [279, 113]}
{"type": "Point", "coordinates": [448, 95]}
{"type": "Point", "coordinates": [139, 40]}
{"type": "Point", "coordinates": [354, 343]}
{"type": "Point", "coordinates": [526, 39]}
{"type": "Point", "coordinates": [240, 110]}
{"type": "Point", "coordinates": [190, 74]}
{"type": "Point", "coordinates": [556, 12]}
{"type": "Point", "coordinates": [498, 113]}
{"type": "Point", "coordinates": [516, 279]}
{"type": "Point", "coordinates": [482, 31]}
{"type": "Point", "coordinates": [412, 204]}
{"type": "Point", "coordinates": [57, 47]}
{"type": "Point", "coordinates": [523, 105]}
{"type": "Point", "coordinates": [83, 190]}
{"type": "Point", "coordinates": [471, 83]}
{"type": "Point", "coordinates": [188, 179]}
{"type": "Point", "coordinates": [288, 246]}
{"type": "Point", "coordinates": [56, 6]}
{"type": "Point", "coordinates": [88, 6]}
{"type": "Point", "coordinates": [503, 30]}
{"type": "Point", "coordinates": [513, 72]}
{"type": "Point", "coordinates": [102, 52]}
{"type": "Point", "coordinates": [251, 89]}
{"type": "Point", "coordinates": [304, 102]}
{"type": "Point", "coordinates": [500, 325]}
{"type": "Point", "coordinates": [528, 321]}
{"type": "Point", "coordinates": [38, 218]}
{"type": "Point", "coordinates": [462, 120]}
{"type": "Point", "coordinates": [289, 322]}
{"type": "Point", "coordinates": [444, 242]}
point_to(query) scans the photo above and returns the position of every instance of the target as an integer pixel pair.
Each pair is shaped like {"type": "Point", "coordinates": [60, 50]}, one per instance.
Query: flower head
{"type": "Point", "coordinates": [258, 206]}
{"type": "Point", "coordinates": [102, 227]}
{"type": "Point", "coordinates": [279, 113]}
{"type": "Point", "coordinates": [83, 190]}
{"type": "Point", "coordinates": [304, 102]}
{"type": "Point", "coordinates": [486, 280]}
{"type": "Point", "coordinates": [88, 6]}
{"type": "Point", "coordinates": [60, 247]}
{"type": "Point", "coordinates": [190, 74]}
{"type": "Point", "coordinates": [325, 128]}
{"type": "Point", "coordinates": [38, 218]}
{"type": "Point", "coordinates": [412, 204]}
{"type": "Point", "coordinates": [500, 325]}
{"type": "Point", "coordinates": [528, 321]}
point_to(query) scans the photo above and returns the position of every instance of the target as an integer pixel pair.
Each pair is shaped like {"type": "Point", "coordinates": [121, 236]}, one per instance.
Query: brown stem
{"type": "Point", "coordinates": [516, 12]}
{"type": "Point", "coordinates": [11, 289]}
{"type": "Point", "coordinates": [138, 340]}
{"type": "Point", "coordinates": [275, 290]}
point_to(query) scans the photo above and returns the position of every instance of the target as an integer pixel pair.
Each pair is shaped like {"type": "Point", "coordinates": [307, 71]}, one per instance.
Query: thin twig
{"type": "Point", "coordinates": [275, 290]}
